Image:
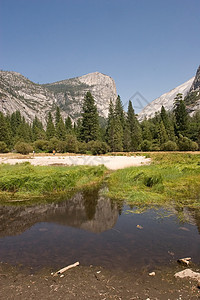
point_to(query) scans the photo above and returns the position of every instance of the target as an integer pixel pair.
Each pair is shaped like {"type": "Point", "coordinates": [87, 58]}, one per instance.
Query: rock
{"type": "Point", "coordinates": [152, 274]}
{"type": "Point", "coordinates": [188, 273]}
{"type": "Point", "coordinates": [191, 95]}
{"type": "Point", "coordinates": [19, 93]}
{"type": "Point", "coordinates": [166, 100]}
{"type": "Point", "coordinates": [196, 83]}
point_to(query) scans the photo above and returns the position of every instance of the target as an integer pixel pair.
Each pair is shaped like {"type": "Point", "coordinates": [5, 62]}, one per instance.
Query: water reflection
{"type": "Point", "coordinates": [86, 210]}
{"type": "Point", "coordinates": [94, 230]}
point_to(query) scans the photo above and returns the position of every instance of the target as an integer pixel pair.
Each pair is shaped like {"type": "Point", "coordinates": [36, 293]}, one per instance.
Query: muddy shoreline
{"type": "Point", "coordinates": [94, 282]}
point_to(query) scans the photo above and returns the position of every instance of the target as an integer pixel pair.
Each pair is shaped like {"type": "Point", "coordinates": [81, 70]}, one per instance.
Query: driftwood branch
{"type": "Point", "coordinates": [184, 261]}
{"type": "Point", "coordinates": [66, 268]}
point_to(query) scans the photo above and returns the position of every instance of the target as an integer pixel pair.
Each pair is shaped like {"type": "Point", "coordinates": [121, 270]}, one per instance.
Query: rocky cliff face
{"type": "Point", "coordinates": [70, 93]}
{"type": "Point", "coordinates": [166, 100]}
{"type": "Point", "coordinates": [191, 94]}
{"type": "Point", "coordinates": [192, 99]}
{"type": "Point", "coordinates": [196, 83]}
{"type": "Point", "coordinates": [19, 93]}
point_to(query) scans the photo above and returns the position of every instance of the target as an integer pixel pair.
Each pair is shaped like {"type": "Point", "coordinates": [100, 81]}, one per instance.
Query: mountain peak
{"type": "Point", "coordinates": [166, 100]}
{"type": "Point", "coordinates": [19, 93]}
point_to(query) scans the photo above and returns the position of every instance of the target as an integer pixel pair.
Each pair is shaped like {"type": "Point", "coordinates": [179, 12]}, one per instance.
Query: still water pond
{"type": "Point", "coordinates": [96, 231]}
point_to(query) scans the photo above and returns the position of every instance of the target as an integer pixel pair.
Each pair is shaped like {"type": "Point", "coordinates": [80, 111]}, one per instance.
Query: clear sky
{"type": "Point", "coordinates": [146, 46]}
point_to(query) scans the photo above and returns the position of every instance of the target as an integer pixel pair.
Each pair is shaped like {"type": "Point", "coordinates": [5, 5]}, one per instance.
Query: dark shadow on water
{"type": "Point", "coordinates": [94, 230]}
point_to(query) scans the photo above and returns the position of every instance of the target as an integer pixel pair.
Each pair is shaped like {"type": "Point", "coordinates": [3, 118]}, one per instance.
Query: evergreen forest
{"type": "Point", "coordinates": [121, 132]}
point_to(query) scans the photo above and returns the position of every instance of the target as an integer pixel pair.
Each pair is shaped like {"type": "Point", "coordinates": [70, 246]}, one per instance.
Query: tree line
{"type": "Point", "coordinates": [121, 132]}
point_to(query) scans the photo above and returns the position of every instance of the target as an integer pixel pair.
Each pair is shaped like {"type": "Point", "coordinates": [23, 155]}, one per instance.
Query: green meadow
{"type": "Point", "coordinates": [23, 182]}
{"type": "Point", "coordinates": [170, 178]}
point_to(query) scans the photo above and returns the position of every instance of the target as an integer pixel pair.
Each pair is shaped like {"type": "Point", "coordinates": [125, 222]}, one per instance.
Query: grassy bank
{"type": "Point", "coordinates": [24, 182]}
{"type": "Point", "coordinates": [172, 177]}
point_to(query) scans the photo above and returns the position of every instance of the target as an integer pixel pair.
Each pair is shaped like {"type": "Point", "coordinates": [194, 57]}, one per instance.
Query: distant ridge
{"type": "Point", "coordinates": [166, 100]}
{"type": "Point", "coordinates": [31, 99]}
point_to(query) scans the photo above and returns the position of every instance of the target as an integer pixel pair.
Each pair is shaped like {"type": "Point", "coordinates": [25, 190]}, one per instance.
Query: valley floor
{"type": "Point", "coordinates": [111, 162]}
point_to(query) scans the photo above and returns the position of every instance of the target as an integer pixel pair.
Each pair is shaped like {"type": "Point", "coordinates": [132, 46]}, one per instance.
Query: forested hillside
{"type": "Point", "coordinates": [168, 131]}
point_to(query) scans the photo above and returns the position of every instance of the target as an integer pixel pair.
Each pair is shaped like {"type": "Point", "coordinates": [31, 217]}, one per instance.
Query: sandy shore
{"type": "Point", "coordinates": [111, 162]}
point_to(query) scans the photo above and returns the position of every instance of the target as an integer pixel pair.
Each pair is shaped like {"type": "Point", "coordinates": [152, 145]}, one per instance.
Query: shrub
{"type": "Point", "coordinates": [97, 147]}
{"type": "Point", "coordinates": [53, 144]}
{"type": "Point", "coordinates": [186, 144]}
{"type": "Point", "coordinates": [40, 145]}
{"type": "Point", "coordinates": [23, 148]}
{"type": "Point", "coordinates": [82, 147]}
{"type": "Point", "coordinates": [169, 146]}
{"type": "Point", "coordinates": [146, 145]}
{"type": "Point", "coordinates": [71, 144]}
{"type": "Point", "coordinates": [155, 147]}
{"type": "Point", "coordinates": [61, 147]}
{"type": "Point", "coordinates": [3, 147]}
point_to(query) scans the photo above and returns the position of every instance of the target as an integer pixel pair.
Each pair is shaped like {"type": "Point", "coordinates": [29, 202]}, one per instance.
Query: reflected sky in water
{"type": "Point", "coordinates": [97, 231]}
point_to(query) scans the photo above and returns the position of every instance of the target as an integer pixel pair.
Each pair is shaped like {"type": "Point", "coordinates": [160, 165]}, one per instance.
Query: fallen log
{"type": "Point", "coordinates": [66, 268]}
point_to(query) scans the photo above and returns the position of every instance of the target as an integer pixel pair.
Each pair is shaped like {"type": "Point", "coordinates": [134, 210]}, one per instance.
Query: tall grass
{"type": "Point", "coordinates": [172, 177]}
{"type": "Point", "coordinates": [24, 180]}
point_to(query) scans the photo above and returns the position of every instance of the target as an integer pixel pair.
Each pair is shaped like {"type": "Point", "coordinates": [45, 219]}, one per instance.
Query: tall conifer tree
{"type": "Point", "coordinates": [134, 128]}
{"type": "Point", "coordinates": [50, 130]}
{"type": "Point", "coordinates": [181, 115]}
{"type": "Point", "coordinates": [90, 120]}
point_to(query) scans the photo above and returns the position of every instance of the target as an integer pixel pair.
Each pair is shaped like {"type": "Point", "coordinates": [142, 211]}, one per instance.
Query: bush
{"type": "Point", "coordinates": [53, 144]}
{"type": "Point", "coordinates": [40, 146]}
{"type": "Point", "coordinates": [169, 146]}
{"type": "Point", "coordinates": [82, 147]}
{"type": "Point", "coordinates": [3, 147]}
{"type": "Point", "coordinates": [61, 147]}
{"type": "Point", "coordinates": [97, 147]}
{"type": "Point", "coordinates": [186, 144]}
{"type": "Point", "coordinates": [146, 145]}
{"type": "Point", "coordinates": [23, 148]}
{"type": "Point", "coordinates": [71, 144]}
{"type": "Point", "coordinates": [155, 147]}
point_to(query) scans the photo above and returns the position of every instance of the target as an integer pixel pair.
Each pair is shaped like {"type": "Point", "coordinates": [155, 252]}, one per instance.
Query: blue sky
{"type": "Point", "coordinates": [146, 46]}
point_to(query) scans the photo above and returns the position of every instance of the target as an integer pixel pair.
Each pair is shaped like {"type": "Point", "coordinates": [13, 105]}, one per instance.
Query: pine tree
{"type": "Point", "coordinates": [146, 130]}
{"type": "Point", "coordinates": [181, 115]}
{"type": "Point", "coordinates": [117, 135]}
{"type": "Point", "coordinates": [127, 137]}
{"type": "Point", "coordinates": [38, 132]}
{"type": "Point", "coordinates": [169, 126]}
{"type": "Point", "coordinates": [61, 130]}
{"type": "Point", "coordinates": [24, 132]}
{"type": "Point", "coordinates": [77, 128]}
{"type": "Point", "coordinates": [50, 130]}
{"type": "Point", "coordinates": [5, 134]}
{"type": "Point", "coordinates": [114, 131]}
{"type": "Point", "coordinates": [119, 112]}
{"type": "Point", "coordinates": [90, 120]}
{"type": "Point", "coordinates": [134, 128]}
{"type": "Point", "coordinates": [110, 126]}
{"type": "Point", "coordinates": [162, 134]}
{"type": "Point", "coordinates": [58, 116]}
{"type": "Point", "coordinates": [15, 121]}
{"type": "Point", "coordinates": [68, 125]}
